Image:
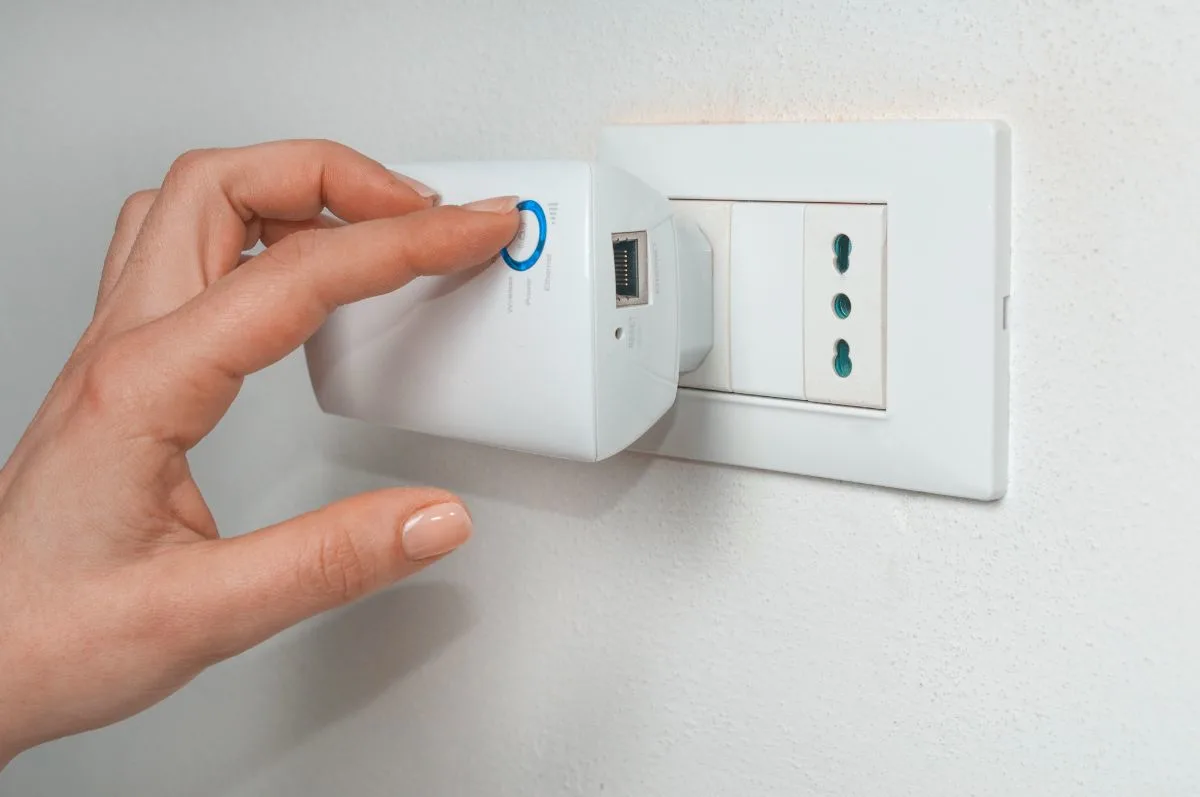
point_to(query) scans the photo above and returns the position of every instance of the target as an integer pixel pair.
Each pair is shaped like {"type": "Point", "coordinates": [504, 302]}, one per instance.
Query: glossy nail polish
{"type": "Point", "coordinates": [435, 530]}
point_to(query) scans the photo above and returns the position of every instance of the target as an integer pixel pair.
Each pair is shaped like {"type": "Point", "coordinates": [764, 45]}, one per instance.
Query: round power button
{"type": "Point", "coordinates": [525, 249]}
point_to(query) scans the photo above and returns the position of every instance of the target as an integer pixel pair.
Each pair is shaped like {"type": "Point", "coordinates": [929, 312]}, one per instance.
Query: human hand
{"type": "Point", "coordinates": [115, 588]}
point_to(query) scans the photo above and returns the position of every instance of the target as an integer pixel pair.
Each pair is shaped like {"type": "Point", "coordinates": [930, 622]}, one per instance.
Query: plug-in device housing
{"type": "Point", "coordinates": [569, 343]}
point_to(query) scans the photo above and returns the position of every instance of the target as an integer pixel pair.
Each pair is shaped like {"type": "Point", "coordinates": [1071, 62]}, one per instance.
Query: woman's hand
{"type": "Point", "coordinates": [115, 588]}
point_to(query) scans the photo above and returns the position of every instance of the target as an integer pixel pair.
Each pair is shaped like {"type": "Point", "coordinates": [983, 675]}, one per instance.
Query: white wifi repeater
{"type": "Point", "coordinates": [569, 344]}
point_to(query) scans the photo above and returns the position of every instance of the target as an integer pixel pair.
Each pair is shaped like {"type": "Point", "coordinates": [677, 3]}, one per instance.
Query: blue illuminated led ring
{"type": "Point", "coordinates": [540, 215]}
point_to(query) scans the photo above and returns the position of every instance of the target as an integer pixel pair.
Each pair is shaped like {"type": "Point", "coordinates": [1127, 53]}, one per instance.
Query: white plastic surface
{"type": "Point", "coordinates": [766, 293]}
{"type": "Point", "coordinates": [946, 186]}
{"type": "Point", "coordinates": [695, 257]}
{"type": "Point", "coordinates": [522, 246]}
{"type": "Point", "coordinates": [863, 284]}
{"type": "Point", "coordinates": [713, 220]}
{"type": "Point", "coordinates": [540, 360]}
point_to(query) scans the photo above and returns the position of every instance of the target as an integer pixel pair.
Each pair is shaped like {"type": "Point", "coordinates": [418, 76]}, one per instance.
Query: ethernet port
{"type": "Point", "coordinates": [631, 266]}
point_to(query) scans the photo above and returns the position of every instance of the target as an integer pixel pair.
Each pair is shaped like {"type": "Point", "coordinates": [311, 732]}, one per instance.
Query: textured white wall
{"type": "Point", "coordinates": [649, 627]}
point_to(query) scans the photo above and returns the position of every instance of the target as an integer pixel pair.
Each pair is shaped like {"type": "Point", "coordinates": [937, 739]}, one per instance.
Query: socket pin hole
{"type": "Point", "coordinates": [841, 359]}
{"type": "Point", "coordinates": [841, 252]}
{"type": "Point", "coordinates": [841, 305]}
{"type": "Point", "coordinates": [619, 333]}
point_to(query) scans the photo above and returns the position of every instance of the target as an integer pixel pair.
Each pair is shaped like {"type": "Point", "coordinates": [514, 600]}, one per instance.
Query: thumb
{"type": "Point", "coordinates": [242, 591]}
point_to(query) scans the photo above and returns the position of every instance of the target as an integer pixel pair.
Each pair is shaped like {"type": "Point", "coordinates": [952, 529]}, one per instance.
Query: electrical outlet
{"type": "Point", "coordinates": [845, 305]}
{"type": "Point", "coordinates": [766, 290]}
{"type": "Point", "coordinates": [918, 396]}
{"type": "Point", "coordinates": [713, 219]}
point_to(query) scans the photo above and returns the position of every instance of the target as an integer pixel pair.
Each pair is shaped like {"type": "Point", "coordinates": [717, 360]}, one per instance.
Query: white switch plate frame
{"type": "Point", "coordinates": [947, 187]}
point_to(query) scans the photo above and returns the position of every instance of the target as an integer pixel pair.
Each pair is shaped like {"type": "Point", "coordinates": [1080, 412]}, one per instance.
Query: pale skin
{"type": "Point", "coordinates": [116, 588]}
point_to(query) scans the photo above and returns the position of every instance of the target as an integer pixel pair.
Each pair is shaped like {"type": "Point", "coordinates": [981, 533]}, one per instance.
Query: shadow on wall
{"type": "Point", "coordinates": [296, 688]}
{"type": "Point", "coordinates": [585, 490]}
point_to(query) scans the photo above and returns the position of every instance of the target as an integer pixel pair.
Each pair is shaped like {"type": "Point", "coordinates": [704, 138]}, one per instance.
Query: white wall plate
{"type": "Point", "coordinates": [946, 187]}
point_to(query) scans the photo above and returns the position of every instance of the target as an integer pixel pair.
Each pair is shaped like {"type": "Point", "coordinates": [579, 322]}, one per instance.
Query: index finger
{"type": "Point", "coordinates": [291, 180]}
{"type": "Point", "coordinates": [276, 301]}
{"type": "Point", "coordinates": [209, 198]}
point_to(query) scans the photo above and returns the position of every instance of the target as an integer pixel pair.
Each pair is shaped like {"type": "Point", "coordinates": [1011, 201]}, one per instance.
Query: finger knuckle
{"type": "Point", "coordinates": [325, 146]}
{"type": "Point", "coordinates": [191, 166]}
{"type": "Point", "coordinates": [293, 260]}
{"type": "Point", "coordinates": [136, 205]}
{"type": "Point", "coordinates": [340, 569]}
{"type": "Point", "coordinates": [295, 251]}
{"type": "Point", "coordinates": [106, 378]}
{"type": "Point", "coordinates": [305, 244]}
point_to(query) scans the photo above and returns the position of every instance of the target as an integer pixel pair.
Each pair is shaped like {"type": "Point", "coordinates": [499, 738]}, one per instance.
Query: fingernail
{"type": "Point", "coordinates": [425, 191]}
{"type": "Point", "coordinates": [500, 204]}
{"type": "Point", "coordinates": [434, 531]}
